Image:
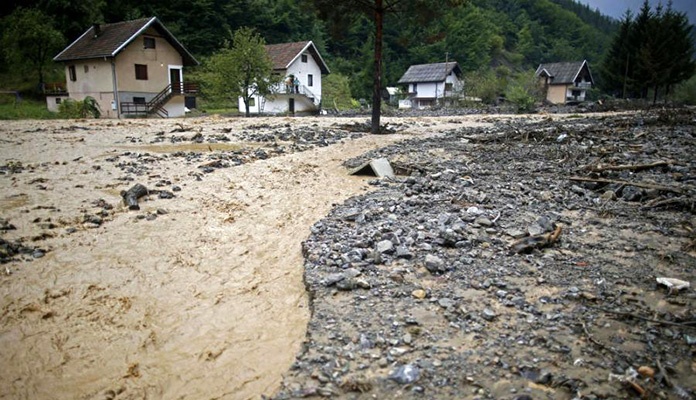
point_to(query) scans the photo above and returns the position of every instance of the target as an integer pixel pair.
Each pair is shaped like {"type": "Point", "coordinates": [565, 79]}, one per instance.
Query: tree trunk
{"type": "Point", "coordinates": [246, 107]}
{"type": "Point", "coordinates": [131, 196]}
{"type": "Point", "coordinates": [377, 83]}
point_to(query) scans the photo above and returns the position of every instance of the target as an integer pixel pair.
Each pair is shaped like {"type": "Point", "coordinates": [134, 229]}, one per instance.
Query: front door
{"type": "Point", "coordinates": [175, 79]}
{"type": "Point", "coordinates": [291, 106]}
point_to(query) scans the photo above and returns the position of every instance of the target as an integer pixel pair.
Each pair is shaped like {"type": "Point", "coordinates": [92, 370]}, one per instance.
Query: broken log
{"type": "Point", "coordinates": [635, 184]}
{"type": "Point", "coordinates": [131, 196]}
{"type": "Point", "coordinates": [638, 167]}
{"type": "Point", "coordinates": [529, 243]}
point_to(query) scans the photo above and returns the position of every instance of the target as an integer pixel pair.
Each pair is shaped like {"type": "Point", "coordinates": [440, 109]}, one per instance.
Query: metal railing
{"type": "Point", "coordinates": [156, 105]}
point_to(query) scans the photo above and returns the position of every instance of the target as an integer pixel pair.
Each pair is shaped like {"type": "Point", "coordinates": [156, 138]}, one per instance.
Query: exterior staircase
{"type": "Point", "coordinates": [156, 105]}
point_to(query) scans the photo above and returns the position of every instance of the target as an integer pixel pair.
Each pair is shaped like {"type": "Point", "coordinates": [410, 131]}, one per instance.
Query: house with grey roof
{"type": "Point", "coordinates": [428, 85]}
{"type": "Point", "coordinates": [565, 82]}
{"type": "Point", "coordinates": [299, 67]}
{"type": "Point", "coordinates": [131, 68]}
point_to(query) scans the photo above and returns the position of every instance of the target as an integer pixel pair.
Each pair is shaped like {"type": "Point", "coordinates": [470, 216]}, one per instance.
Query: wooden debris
{"type": "Point", "coordinates": [131, 196]}
{"type": "Point", "coordinates": [638, 167]}
{"type": "Point", "coordinates": [628, 183]}
{"type": "Point", "coordinates": [529, 243]}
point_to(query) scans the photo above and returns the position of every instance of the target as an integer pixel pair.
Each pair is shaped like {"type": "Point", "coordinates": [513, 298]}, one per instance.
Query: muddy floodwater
{"type": "Point", "coordinates": [196, 295]}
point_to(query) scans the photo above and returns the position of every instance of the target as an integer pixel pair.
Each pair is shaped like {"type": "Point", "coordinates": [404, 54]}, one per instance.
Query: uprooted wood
{"type": "Point", "coordinates": [131, 196]}
{"type": "Point", "coordinates": [529, 243]}
{"type": "Point", "coordinates": [628, 183]}
{"type": "Point", "coordinates": [638, 167]}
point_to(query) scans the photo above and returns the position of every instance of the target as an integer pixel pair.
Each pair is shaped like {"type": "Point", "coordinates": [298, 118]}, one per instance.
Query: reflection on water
{"type": "Point", "coordinates": [14, 201]}
{"type": "Point", "coordinates": [194, 147]}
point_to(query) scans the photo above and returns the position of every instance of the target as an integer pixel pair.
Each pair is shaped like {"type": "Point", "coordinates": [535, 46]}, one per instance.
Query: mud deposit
{"type": "Point", "coordinates": [257, 267]}
{"type": "Point", "coordinates": [198, 294]}
{"type": "Point", "coordinates": [518, 261]}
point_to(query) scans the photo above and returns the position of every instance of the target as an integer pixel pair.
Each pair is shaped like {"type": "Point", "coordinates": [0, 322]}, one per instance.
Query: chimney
{"type": "Point", "coordinates": [97, 30]}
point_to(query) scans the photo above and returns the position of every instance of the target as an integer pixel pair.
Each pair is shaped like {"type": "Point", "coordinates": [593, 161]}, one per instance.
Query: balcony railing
{"type": "Point", "coordinates": [55, 88]}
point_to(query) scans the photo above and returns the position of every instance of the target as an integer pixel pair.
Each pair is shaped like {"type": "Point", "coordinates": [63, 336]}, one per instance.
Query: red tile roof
{"type": "Point", "coordinates": [107, 40]}
{"type": "Point", "coordinates": [283, 54]}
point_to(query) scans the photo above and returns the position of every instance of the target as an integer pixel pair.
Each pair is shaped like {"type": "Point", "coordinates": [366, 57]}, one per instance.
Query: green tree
{"type": "Point", "coordinates": [654, 52]}
{"type": "Point", "coordinates": [241, 69]}
{"type": "Point", "coordinates": [524, 91]}
{"type": "Point", "coordinates": [336, 92]}
{"type": "Point", "coordinates": [29, 38]}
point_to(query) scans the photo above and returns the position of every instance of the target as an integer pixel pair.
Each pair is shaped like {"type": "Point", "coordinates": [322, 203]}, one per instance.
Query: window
{"type": "Point", "coordinates": [58, 100]}
{"type": "Point", "coordinates": [139, 100]}
{"type": "Point", "coordinates": [252, 102]}
{"type": "Point", "coordinates": [148, 42]}
{"type": "Point", "coordinates": [304, 58]}
{"type": "Point", "coordinates": [141, 72]}
{"type": "Point", "coordinates": [72, 73]}
{"type": "Point", "coordinates": [310, 80]}
{"type": "Point", "coordinates": [448, 87]}
{"type": "Point", "coordinates": [415, 88]}
{"type": "Point", "coordinates": [86, 69]}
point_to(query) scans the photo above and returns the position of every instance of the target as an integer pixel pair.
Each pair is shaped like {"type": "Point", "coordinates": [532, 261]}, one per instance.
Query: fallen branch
{"type": "Point", "coordinates": [638, 167]}
{"type": "Point", "coordinates": [655, 321]}
{"type": "Point", "coordinates": [527, 244]}
{"type": "Point", "coordinates": [131, 196]}
{"type": "Point", "coordinates": [682, 201]}
{"type": "Point", "coordinates": [635, 184]}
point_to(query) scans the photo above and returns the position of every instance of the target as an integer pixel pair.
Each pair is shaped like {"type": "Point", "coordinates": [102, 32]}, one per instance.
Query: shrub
{"type": "Point", "coordinates": [70, 108]}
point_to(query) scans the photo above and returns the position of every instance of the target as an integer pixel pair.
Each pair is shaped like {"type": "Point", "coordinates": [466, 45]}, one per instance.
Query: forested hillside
{"type": "Point", "coordinates": [481, 34]}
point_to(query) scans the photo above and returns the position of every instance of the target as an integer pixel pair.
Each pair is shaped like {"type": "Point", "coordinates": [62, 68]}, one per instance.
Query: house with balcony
{"type": "Point", "coordinates": [131, 68]}
{"type": "Point", "coordinates": [430, 85]}
{"type": "Point", "coordinates": [565, 82]}
{"type": "Point", "coordinates": [299, 68]}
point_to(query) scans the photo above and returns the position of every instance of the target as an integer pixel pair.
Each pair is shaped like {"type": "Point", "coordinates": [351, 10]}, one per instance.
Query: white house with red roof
{"type": "Point", "coordinates": [299, 68]}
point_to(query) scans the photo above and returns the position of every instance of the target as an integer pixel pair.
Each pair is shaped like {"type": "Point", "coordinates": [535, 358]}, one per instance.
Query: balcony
{"type": "Point", "coordinates": [54, 88]}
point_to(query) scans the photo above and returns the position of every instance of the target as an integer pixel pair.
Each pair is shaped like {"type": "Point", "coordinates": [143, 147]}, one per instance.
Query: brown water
{"type": "Point", "coordinates": [205, 301]}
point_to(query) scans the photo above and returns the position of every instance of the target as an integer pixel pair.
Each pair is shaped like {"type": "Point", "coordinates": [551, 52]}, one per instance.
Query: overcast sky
{"type": "Point", "coordinates": [616, 8]}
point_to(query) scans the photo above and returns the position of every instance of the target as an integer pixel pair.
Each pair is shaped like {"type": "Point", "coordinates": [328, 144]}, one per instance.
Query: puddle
{"type": "Point", "coordinates": [194, 147]}
{"type": "Point", "coordinates": [14, 201]}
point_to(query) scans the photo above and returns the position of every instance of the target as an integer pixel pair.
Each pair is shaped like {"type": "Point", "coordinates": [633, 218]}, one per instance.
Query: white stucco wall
{"type": "Point", "coordinates": [279, 103]}
{"type": "Point", "coordinates": [94, 77]}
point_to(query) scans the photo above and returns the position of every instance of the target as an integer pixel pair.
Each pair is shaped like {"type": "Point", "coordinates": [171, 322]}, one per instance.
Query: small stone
{"type": "Point", "coordinates": [445, 302]}
{"type": "Point", "coordinates": [434, 264]}
{"type": "Point", "coordinates": [405, 374]}
{"type": "Point", "coordinates": [163, 194]}
{"type": "Point", "coordinates": [403, 252]}
{"type": "Point", "coordinates": [385, 247]}
{"type": "Point", "coordinates": [407, 339]}
{"type": "Point", "coordinates": [483, 221]}
{"type": "Point", "coordinates": [419, 294]}
{"type": "Point", "coordinates": [488, 314]}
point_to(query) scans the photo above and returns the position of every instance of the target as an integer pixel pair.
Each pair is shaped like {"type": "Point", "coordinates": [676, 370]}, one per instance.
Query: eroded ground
{"type": "Point", "coordinates": [200, 293]}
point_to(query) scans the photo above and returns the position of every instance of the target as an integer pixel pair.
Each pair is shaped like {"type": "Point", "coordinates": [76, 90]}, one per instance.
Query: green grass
{"type": "Point", "coordinates": [10, 108]}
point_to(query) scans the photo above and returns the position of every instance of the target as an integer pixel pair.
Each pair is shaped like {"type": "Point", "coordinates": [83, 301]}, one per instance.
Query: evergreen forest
{"type": "Point", "coordinates": [499, 37]}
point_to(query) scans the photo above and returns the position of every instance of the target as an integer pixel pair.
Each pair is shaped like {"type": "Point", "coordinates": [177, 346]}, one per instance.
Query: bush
{"type": "Point", "coordinates": [70, 108]}
{"type": "Point", "coordinates": [524, 91]}
{"type": "Point", "coordinates": [685, 93]}
{"type": "Point", "coordinates": [336, 93]}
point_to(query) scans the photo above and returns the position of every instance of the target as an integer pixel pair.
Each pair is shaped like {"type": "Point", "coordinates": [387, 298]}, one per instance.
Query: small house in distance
{"type": "Point", "coordinates": [131, 68]}
{"type": "Point", "coordinates": [299, 68]}
{"type": "Point", "coordinates": [565, 82]}
{"type": "Point", "coordinates": [429, 85]}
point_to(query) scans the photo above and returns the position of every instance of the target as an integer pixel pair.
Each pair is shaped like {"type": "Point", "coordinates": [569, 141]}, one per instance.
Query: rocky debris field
{"type": "Point", "coordinates": [547, 259]}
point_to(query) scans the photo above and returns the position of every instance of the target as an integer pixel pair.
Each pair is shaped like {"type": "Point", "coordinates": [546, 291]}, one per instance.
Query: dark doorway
{"type": "Point", "coordinates": [291, 106]}
{"type": "Point", "coordinates": [175, 79]}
